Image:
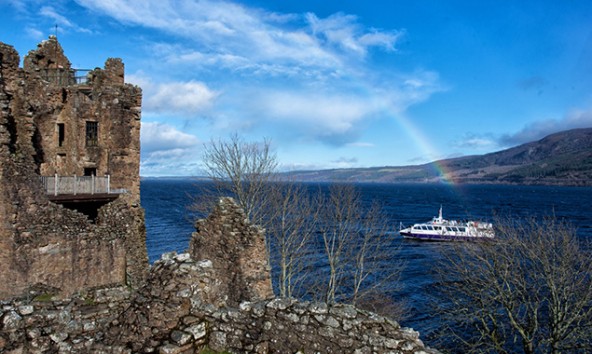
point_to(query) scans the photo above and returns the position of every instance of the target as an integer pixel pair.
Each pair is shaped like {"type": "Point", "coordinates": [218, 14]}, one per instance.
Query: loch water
{"type": "Point", "coordinates": [169, 221]}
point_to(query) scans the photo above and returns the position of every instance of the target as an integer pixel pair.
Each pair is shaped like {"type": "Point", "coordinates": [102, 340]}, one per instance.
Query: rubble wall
{"type": "Point", "coordinates": [177, 311]}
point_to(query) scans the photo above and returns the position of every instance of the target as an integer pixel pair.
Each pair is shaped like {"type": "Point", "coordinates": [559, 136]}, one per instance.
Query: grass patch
{"type": "Point", "coordinates": [43, 298]}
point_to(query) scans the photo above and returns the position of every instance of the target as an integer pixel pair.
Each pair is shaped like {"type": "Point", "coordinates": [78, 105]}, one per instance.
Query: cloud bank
{"type": "Point", "coordinates": [158, 137]}
{"type": "Point", "coordinates": [539, 129]}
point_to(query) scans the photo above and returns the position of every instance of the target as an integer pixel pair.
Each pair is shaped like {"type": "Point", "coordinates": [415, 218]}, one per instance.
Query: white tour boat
{"type": "Point", "coordinates": [440, 229]}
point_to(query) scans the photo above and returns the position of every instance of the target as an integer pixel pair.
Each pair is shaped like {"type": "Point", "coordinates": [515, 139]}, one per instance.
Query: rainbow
{"type": "Point", "coordinates": [424, 144]}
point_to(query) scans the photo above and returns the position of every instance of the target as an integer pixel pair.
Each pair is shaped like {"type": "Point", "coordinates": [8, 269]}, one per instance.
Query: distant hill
{"type": "Point", "coordinates": [563, 158]}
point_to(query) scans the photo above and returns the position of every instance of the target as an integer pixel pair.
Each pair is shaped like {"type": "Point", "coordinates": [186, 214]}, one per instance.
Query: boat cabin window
{"type": "Point", "coordinates": [431, 228]}
{"type": "Point", "coordinates": [462, 229]}
{"type": "Point", "coordinates": [438, 227]}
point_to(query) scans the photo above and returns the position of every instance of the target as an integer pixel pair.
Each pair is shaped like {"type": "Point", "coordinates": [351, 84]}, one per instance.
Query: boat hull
{"type": "Point", "coordinates": [442, 238]}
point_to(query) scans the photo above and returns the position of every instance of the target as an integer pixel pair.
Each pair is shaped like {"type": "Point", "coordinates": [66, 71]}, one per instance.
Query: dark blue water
{"type": "Point", "coordinates": [169, 222]}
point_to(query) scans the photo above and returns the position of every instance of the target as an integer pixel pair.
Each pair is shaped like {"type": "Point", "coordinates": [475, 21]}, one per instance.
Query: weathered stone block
{"type": "Point", "coordinates": [11, 321]}
{"type": "Point", "coordinates": [180, 337]}
{"type": "Point", "coordinates": [198, 331]}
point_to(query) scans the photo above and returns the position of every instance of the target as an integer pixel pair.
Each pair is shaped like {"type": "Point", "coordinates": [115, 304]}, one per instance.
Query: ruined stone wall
{"type": "Point", "coordinates": [42, 243]}
{"type": "Point", "coordinates": [188, 304]}
{"type": "Point", "coordinates": [39, 324]}
{"type": "Point", "coordinates": [237, 250]}
{"type": "Point", "coordinates": [179, 310]}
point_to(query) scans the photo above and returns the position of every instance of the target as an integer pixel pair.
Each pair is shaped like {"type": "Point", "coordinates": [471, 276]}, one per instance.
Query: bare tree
{"type": "Point", "coordinates": [243, 170]}
{"type": "Point", "coordinates": [375, 257]}
{"type": "Point", "coordinates": [528, 291]}
{"type": "Point", "coordinates": [357, 248]}
{"type": "Point", "coordinates": [337, 228]}
{"type": "Point", "coordinates": [292, 221]}
{"type": "Point", "coordinates": [247, 172]}
{"type": "Point", "coordinates": [354, 241]}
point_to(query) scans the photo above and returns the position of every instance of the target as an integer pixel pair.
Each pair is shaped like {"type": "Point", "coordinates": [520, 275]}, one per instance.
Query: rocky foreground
{"type": "Point", "coordinates": [187, 304]}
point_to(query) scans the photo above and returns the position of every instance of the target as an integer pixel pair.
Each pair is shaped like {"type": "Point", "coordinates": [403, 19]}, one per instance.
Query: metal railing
{"type": "Point", "coordinates": [73, 185]}
{"type": "Point", "coordinates": [64, 77]}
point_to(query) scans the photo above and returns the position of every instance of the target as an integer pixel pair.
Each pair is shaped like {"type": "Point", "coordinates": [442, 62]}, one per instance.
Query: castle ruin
{"type": "Point", "coordinates": [70, 217]}
{"type": "Point", "coordinates": [74, 273]}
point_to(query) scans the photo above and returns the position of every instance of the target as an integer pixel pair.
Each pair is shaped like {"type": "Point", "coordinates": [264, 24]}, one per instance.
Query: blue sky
{"type": "Point", "coordinates": [333, 84]}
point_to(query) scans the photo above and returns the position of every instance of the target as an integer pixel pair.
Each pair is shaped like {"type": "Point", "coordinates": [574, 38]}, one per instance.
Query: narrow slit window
{"type": "Point", "coordinates": [61, 134]}
{"type": "Point", "coordinates": [92, 133]}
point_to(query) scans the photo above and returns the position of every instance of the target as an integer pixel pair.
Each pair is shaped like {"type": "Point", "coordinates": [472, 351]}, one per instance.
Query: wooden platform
{"type": "Point", "coordinates": [83, 198]}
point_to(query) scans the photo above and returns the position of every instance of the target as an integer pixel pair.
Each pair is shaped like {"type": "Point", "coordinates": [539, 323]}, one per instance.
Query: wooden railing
{"type": "Point", "coordinates": [73, 185]}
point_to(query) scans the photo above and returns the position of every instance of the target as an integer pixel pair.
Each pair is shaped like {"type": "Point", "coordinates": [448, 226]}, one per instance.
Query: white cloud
{"type": "Point", "coordinates": [380, 39]}
{"type": "Point", "coordinates": [177, 162]}
{"type": "Point", "coordinates": [328, 114]}
{"type": "Point", "coordinates": [50, 12]}
{"type": "Point", "coordinates": [332, 118]}
{"type": "Point", "coordinates": [166, 151]}
{"type": "Point", "coordinates": [346, 161]}
{"type": "Point", "coordinates": [337, 114]}
{"type": "Point", "coordinates": [476, 142]}
{"type": "Point", "coordinates": [139, 79]}
{"type": "Point", "coordinates": [344, 31]}
{"type": "Point", "coordinates": [34, 33]}
{"type": "Point", "coordinates": [190, 98]}
{"type": "Point", "coordinates": [312, 166]}
{"type": "Point", "coordinates": [158, 138]}
{"type": "Point", "coordinates": [224, 30]}
{"type": "Point", "coordinates": [61, 20]}
{"type": "Point", "coordinates": [361, 144]}
{"type": "Point", "coordinates": [577, 118]}
{"type": "Point", "coordinates": [18, 5]}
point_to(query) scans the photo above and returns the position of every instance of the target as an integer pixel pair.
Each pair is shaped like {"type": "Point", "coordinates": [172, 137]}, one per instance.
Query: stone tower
{"type": "Point", "coordinates": [70, 217]}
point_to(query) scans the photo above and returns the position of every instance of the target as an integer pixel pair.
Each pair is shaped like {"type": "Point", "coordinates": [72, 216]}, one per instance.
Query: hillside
{"type": "Point", "coordinates": [563, 158]}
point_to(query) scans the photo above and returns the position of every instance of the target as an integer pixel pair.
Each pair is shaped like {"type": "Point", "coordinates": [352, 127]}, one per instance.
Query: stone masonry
{"type": "Point", "coordinates": [237, 251]}
{"type": "Point", "coordinates": [176, 312]}
{"type": "Point", "coordinates": [44, 114]}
